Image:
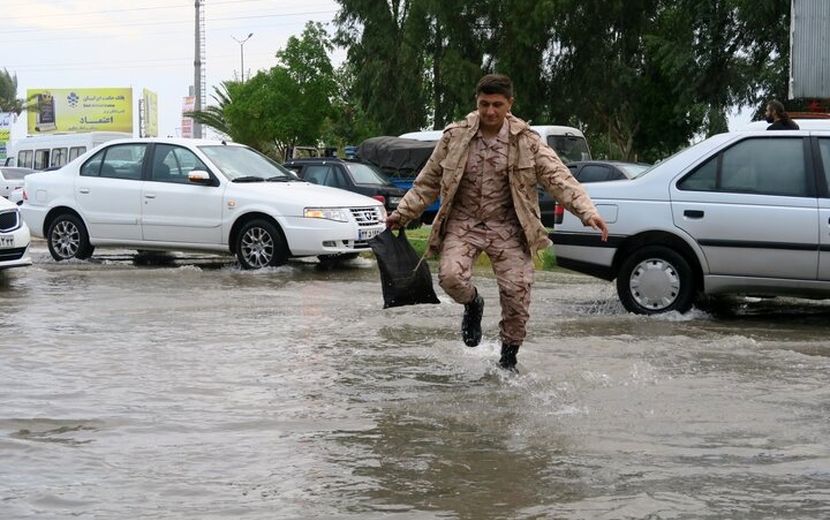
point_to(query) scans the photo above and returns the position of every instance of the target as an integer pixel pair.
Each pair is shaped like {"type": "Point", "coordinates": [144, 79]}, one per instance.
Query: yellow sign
{"type": "Point", "coordinates": [151, 113]}
{"type": "Point", "coordinates": [81, 110]}
{"type": "Point", "coordinates": [5, 132]}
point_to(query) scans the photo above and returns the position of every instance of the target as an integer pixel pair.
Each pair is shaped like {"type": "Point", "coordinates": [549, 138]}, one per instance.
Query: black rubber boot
{"type": "Point", "coordinates": [508, 357]}
{"type": "Point", "coordinates": [471, 324]}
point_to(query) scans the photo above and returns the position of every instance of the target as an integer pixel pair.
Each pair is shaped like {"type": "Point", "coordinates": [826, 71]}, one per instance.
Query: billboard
{"type": "Point", "coordinates": [151, 113]}
{"type": "Point", "coordinates": [188, 104]}
{"type": "Point", "coordinates": [81, 110]}
{"type": "Point", "coordinates": [5, 133]}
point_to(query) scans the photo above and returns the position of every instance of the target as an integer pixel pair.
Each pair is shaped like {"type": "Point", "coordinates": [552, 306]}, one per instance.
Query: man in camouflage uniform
{"type": "Point", "coordinates": [485, 169]}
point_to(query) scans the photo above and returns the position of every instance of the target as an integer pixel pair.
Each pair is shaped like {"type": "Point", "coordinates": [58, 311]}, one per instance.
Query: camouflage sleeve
{"type": "Point", "coordinates": [556, 179]}
{"type": "Point", "coordinates": [427, 185]}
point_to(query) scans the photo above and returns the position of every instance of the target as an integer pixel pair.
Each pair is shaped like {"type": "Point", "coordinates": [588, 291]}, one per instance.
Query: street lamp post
{"type": "Point", "coordinates": [242, 54]}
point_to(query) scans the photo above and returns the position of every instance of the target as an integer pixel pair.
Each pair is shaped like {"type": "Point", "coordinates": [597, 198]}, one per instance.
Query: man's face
{"type": "Point", "coordinates": [492, 109]}
{"type": "Point", "coordinates": [770, 116]}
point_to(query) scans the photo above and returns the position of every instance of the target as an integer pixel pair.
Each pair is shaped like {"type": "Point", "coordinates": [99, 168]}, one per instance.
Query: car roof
{"type": "Point", "coordinates": [180, 141]}
{"type": "Point", "coordinates": [803, 124]}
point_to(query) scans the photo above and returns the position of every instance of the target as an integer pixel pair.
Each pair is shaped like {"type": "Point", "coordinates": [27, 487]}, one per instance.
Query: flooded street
{"type": "Point", "coordinates": [197, 390]}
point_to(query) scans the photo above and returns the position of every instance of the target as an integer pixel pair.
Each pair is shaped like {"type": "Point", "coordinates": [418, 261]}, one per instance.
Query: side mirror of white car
{"type": "Point", "coordinates": [199, 177]}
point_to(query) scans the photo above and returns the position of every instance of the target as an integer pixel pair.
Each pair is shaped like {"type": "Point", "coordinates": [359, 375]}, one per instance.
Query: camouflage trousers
{"type": "Point", "coordinates": [512, 265]}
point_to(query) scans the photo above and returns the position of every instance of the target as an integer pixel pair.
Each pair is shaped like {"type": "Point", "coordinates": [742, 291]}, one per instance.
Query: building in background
{"type": "Point", "coordinates": [149, 111]}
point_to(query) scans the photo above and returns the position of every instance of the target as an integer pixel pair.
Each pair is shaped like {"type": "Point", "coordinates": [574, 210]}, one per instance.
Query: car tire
{"type": "Point", "coordinates": [656, 279]}
{"type": "Point", "coordinates": [259, 244]}
{"type": "Point", "coordinates": [67, 238]}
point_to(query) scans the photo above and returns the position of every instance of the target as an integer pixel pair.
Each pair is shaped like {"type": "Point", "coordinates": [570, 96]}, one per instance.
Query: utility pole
{"type": "Point", "coordinates": [197, 71]}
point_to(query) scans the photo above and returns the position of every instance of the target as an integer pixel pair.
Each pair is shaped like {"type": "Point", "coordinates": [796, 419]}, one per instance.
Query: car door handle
{"type": "Point", "coordinates": [149, 195]}
{"type": "Point", "coordinates": [83, 190]}
{"type": "Point", "coordinates": [693, 213]}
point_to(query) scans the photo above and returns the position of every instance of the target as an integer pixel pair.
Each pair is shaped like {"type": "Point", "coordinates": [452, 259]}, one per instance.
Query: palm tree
{"type": "Point", "coordinates": [9, 101]}
{"type": "Point", "coordinates": [214, 115]}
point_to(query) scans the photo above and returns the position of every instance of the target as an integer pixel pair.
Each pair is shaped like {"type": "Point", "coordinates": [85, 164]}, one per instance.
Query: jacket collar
{"type": "Point", "coordinates": [516, 125]}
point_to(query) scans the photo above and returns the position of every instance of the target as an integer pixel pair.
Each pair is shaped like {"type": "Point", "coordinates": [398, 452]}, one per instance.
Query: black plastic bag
{"type": "Point", "coordinates": [404, 277]}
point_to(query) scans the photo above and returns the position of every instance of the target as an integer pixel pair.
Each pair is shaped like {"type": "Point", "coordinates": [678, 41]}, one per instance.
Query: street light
{"type": "Point", "coordinates": [242, 54]}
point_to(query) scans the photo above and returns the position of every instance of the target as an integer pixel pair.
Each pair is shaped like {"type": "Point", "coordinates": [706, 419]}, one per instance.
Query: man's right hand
{"type": "Point", "coordinates": [393, 220]}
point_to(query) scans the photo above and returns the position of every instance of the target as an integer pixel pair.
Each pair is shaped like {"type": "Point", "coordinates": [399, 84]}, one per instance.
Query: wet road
{"type": "Point", "coordinates": [196, 390]}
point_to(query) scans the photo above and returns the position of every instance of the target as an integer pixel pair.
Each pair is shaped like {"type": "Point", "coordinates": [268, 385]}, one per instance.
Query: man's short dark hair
{"type": "Point", "coordinates": [495, 84]}
{"type": "Point", "coordinates": [777, 108]}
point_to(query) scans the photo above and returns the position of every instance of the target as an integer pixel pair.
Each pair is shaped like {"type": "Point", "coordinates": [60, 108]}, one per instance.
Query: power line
{"type": "Point", "coordinates": [211, 30]}
{"type": "Point", "coordinates": [174, 22]}
{"type": "Point", "coordinates": [186, 5]}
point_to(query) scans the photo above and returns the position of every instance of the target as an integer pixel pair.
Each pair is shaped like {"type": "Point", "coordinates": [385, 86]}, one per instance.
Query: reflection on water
{"type": "Point", "coordinates": [194, 389]}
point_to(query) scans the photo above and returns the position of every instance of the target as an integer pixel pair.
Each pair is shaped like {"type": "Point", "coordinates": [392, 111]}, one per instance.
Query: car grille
{"type": "Point", "coordinates": [11, 254]}
{"type": "Point", "coordinates": [9, 220]}
{"type": "Point", "coordinates": [366, 216]}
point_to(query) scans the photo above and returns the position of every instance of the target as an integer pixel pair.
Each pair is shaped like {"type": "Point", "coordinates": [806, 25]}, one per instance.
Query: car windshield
{"type": "Point", "coordinates": [365, 174]}
{"type": "Point", "coordinates": [634, 170]}
{"type": "Point", "coordinates": [239, 162]}
{"type": "Point", "coordinates": [570, 148]}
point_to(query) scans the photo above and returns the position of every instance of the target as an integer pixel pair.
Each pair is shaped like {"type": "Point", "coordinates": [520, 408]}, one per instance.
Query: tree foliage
{"type": "Point", "coordinates": [641, 77]}
{"type": "Point", "coordinates": [9, 102]}
{"type": "Point", "coordinates": [284, 106]}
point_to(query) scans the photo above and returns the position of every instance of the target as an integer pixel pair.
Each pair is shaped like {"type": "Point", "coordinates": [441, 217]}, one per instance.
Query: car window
{"type": "Point", "coordinates": [569, 147]}
{"type": "Point", "coordinates": [594, 173]}
{"type": "Point", "coordinates": [763, 166]}
{"type": "Point", "coordinates": [365, 174]}
{"type": "Point", "coordinates": [41, 159]}
{"type": "Point", "coordinates": [24, 158]}
{"type": "Point", "coordinates": [123, 161]}
{"type": "Point", "coordinates": [319, 174]}
{"type": "Point", "coordinates": [59, 156]}
{"type": "Point", "coordinates": [92, 166]}
{"type": "Point", "coordinates": [824, 147]}
{"type": "Point", "coordinates": [75, 152]}
{"type": "Point", "coordinates": [13, 174]}
{"type": "Point", "coordinates": [173, 163]}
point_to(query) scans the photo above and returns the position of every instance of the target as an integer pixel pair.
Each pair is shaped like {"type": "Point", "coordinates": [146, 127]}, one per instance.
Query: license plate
{"type": "Point", "coordinates": [6, 241]}
{"type": "Point", "coordinates": [368, 234]}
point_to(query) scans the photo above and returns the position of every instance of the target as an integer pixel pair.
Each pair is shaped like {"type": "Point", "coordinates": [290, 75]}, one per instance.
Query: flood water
{"type": "Point", "coordinates": [196, 390]}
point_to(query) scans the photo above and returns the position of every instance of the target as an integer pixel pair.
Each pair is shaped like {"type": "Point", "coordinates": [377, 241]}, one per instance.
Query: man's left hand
{"type": "Point", "coordinates": [596, 222]}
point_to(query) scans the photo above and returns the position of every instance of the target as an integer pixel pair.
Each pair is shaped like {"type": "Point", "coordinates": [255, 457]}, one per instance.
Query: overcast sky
{"type": "Point", "coordinates": [150, 44]}
{"type": "Point", "coordinates": [147, 44]}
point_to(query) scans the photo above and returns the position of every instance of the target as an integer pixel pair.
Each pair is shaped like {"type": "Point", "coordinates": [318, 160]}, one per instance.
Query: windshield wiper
{"type": "Point", "coordinates": [280, 178]}
{"type": "Point", "coordinates": [248, 178]}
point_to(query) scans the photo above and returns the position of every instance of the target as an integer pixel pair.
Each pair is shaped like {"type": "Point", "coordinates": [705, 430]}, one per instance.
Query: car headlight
{"type": "Point", "coordinates": [338, 214]}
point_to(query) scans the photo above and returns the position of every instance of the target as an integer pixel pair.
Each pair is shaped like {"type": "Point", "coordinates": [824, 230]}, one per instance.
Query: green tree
{"type": "Point", "coordinates": [386, 47]}
{"type": "Point", "coordinates": [281, 107]}
{"type": "Point", "coordinates": [9, 102]}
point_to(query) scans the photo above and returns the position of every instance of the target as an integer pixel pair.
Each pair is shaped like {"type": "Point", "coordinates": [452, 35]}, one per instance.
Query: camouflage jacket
{"type": "Point", "coordinates": [530, 161]}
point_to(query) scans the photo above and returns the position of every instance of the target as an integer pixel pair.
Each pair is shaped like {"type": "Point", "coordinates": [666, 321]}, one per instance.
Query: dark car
{"type": "Point", "coordinates": [350, 175]}
{"type": "Point", "coordinates": [588, 171]}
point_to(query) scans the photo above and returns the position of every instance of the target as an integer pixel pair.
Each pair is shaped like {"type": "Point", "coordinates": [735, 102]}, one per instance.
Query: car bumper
{"type": "Point", "coordinates": [16, 253]}
{"type": "Point", "coordinates": [34, 216]}
{"type": "Point", "coordinates": [586, 253]}
{"type": "Point", "coordinates": [311, 236]}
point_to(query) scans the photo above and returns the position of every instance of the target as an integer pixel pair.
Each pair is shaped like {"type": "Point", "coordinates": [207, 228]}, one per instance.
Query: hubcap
{"type": "Point", "coordinates": [654, 284]}
{"type": "Point", "coordinates": [66, 239]}
{"type": "Point", "coordinates": [257, 247]}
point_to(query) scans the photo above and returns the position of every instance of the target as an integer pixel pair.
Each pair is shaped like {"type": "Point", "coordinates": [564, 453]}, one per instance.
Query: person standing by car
{"type": "Point", "coordinates": [778, 117]}
{"type": "Point", "coordinates": [485, 169]}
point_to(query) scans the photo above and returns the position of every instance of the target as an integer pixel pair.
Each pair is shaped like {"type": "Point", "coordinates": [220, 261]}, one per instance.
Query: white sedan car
{"type": "Point", "coordinates": [14, 237]}
{"type": "Point", "coordinates": [11, 178]}
{"type": "Point", "coordinates": [739, 213]}
{"type": "Point", "coordinates": [199, 195]}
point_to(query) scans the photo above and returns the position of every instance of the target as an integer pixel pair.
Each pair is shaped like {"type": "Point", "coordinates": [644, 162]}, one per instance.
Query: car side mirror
{"type": "Point", "coordinates": [199, 177]}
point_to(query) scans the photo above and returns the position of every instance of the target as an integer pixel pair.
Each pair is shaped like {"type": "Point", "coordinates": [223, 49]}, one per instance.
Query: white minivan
{"type": "Point", "coordinates": [41, 152]}
{"type": "Point", "coordinates": [568, 142]}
